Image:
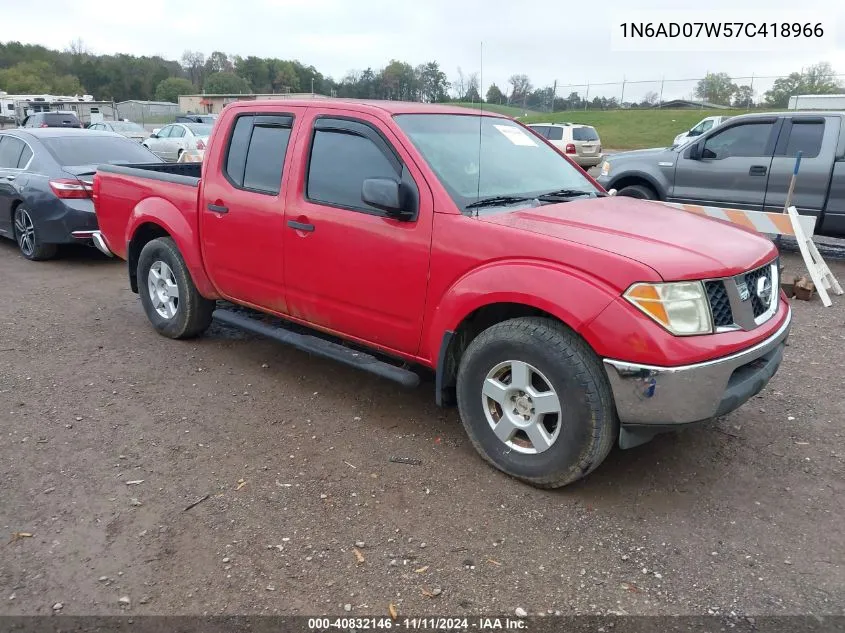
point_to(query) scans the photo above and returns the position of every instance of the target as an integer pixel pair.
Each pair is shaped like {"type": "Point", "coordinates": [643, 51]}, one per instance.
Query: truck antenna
{"type": "Point", "coordinates": [480, 117]}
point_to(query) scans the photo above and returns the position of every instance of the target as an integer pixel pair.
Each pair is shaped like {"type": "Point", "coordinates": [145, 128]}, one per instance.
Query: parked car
{"type": "Point", "coordinates": [580, 142]}
{"type": "Point", "coordinates": [51, 119]}
{"type": "Point", "coordinates": [700, 128]}
{"type": "Point", "coordinates": [548, 310]}
{"type": "Point", "coordinates": [195, 118]}
{"type": "Point", "coordinates": [746, 163]}
{"type": "Point", "coordinates": [125, 128]}
{"type": "Point", "coordinates": [172, 140]}
{"type": "Point", "coordinates": [45, 184]}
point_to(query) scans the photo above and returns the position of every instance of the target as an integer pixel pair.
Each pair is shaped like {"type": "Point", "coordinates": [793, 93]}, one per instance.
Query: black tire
{"type": "Point", "coordinates": [638, 191]}
{"type": "Point", "coordinates": [26, 233]}
{"type": "Point", "coordinates": [192, 311]}
{"type": "Point", "coordinates": [588, 422]}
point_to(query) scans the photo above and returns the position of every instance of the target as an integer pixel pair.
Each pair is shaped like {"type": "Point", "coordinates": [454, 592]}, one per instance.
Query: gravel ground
{"type": "Point", "coordinates": [110, 432]}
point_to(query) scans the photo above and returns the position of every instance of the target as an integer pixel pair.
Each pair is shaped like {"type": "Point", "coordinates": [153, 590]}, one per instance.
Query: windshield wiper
{"type": "Point", "coordinates": [493, 201]}
{"type": "Point", "coordinates": [566, 193]}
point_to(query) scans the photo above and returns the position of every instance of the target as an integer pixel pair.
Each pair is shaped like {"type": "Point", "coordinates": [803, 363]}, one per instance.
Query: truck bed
{"type": "Point", "coordinates": [156, 188]}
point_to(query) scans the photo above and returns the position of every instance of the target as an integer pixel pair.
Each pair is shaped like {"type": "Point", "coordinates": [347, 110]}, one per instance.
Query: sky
{"type": "Point", "coordinates": [568, 42]}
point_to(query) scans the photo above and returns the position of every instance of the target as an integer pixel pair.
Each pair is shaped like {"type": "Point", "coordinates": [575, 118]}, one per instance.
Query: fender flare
{"type": "Point", "coordinates": [166, 215]}
{"type": "Point", "coordinates": [532, 281]}
{"type": "Point", "coordinates": [660, 190]}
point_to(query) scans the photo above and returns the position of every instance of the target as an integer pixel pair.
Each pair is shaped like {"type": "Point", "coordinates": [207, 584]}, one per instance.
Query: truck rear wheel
{"type": "Point", "coordinates": [171, 300]}
{"type": "Point", "coordinates": [535, 401]}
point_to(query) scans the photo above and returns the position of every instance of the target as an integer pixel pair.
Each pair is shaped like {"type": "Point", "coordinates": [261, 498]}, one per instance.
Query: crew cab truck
{"type": "Point", "coordinates": [558, 318]}
{"type": "Point", "coordinates": [746, 163]}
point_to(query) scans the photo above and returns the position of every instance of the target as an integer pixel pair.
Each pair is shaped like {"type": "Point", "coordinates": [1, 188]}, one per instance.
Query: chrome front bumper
{"type": "Point", "coordinates": [647, 395]}
{"type": "Point", "coordinates": [100, 243]}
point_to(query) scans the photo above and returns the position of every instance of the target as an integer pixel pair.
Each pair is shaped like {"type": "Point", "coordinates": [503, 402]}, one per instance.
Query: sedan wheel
{"type": "Point", "coordinates": [26, 235]}
{"type": "Point", "coordinates": [25, 232]}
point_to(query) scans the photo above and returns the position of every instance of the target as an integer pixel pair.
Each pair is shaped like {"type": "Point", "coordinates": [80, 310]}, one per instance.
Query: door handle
{"type": "Point", "coordinates": [10, 178]}
{"type": "Point", "coordinates": [216, 208]}
{"type": "Point", "coordinates": [301, 226]}
{"type": "Point", "coordinates": [757, 170]}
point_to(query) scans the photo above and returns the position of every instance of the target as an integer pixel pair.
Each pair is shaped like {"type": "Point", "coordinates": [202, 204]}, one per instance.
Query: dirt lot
{"type": "Point", "coordinates": [745, 516]}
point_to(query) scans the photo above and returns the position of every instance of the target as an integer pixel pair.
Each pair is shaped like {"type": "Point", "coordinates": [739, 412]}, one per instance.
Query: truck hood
{"type": "Point", "coordinates": [676, 244]}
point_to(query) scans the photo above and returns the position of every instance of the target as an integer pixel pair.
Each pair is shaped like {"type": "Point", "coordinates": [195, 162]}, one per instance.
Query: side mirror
{"type": "Point", "coordinates": [384, 194]}
{"type": "Point", "coordinates": [695, 151]}
{"type": "Point", "coordinates": [694, 133]}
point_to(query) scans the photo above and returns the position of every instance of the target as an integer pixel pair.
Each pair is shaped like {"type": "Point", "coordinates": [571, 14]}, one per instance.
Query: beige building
{"type": "Point", "coordinates": [214, 103]}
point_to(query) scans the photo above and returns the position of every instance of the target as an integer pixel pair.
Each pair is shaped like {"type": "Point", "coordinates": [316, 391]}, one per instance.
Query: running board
{"type": "Point", "coordinates": [320, 347]}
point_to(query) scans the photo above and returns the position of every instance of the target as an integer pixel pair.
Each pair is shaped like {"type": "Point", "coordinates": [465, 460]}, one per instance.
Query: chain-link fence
{"type": "Point", "coordinates": [745, 93]}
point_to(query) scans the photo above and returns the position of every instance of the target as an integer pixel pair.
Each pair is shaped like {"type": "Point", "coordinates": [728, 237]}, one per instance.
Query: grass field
{"type": "Point", "coordinates": [624, 129]}
{"type": "Point", "coordinates": [510, 111]}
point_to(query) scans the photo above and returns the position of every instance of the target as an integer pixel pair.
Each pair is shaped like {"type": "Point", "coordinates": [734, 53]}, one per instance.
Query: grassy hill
{"type": "Point", "coordinates": [621, 129]}
{"type": "Point", "coordinates": [634, 129]}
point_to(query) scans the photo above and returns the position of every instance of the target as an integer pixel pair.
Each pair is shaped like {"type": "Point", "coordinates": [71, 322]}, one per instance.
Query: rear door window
{"type": "Point", "coordinates": [555, 134]}
{"type": "Point", "coordinates": [26, 156]}
{"type": "Point", "coordinates": [805, 137]}
{"type": "Point", "coordinates": [256, 155]}
{"type": "Point", "coordinates": [542, 130]}
{"type": "Point", "coordinates": [10, 151]}
{"type": "Point", "coordinates": [177, 131]}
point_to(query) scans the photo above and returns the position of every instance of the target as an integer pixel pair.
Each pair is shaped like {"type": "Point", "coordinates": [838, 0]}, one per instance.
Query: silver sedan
{"type": "Point", "coordinates": [173, 140]}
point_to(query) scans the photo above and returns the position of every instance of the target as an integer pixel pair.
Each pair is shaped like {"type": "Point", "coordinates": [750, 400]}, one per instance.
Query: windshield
{"type": "Point", "coordinates": [199, 129]}
{"type": "Point", "coordinates": [125, 126]}
{"type": "Point", "coordinates": [97, 150]}
{"type": "Point", "coordinates": [513, 162]}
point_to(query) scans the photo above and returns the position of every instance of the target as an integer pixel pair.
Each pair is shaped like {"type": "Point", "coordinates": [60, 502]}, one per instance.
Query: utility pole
{"type": "Point", "coordinates": [312, 86]}
{"type": "Point", "coordinates": [622, 100]}
{"type": "Point", "coordinates": [587, 97]}
{"type": "Point", "coordinates": [554, 95]}
{"type": "Point", "coordinates": [660, 104]}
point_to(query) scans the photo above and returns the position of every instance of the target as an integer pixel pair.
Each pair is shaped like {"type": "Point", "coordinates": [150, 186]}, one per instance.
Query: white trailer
{"type": "Point", "coordinates": [817, 102]}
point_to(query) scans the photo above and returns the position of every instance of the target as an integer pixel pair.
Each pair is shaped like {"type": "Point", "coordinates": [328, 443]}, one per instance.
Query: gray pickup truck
{"type": "Point", "coordinates": [746, 163]}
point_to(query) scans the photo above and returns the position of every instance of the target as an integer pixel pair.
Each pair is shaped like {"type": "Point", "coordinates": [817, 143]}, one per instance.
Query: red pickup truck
{"type": "Point", "coordinates": [406, 237]}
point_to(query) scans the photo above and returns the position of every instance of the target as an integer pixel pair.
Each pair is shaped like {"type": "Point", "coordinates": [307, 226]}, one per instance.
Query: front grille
{"type": "Point", "coordinates": [720, 304]}
{"type": "Point", "coordinates": [751, 279]}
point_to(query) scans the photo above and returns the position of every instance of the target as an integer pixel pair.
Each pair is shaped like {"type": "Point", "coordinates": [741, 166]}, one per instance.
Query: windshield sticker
{"type": "Point", "coordinates": [515, 135]}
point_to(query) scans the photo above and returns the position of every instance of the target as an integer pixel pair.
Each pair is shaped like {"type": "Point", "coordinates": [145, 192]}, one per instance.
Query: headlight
{"type": "Point", "coordinates": [681, 307]}
{"type": "Point", "coordinates": [605, 168]}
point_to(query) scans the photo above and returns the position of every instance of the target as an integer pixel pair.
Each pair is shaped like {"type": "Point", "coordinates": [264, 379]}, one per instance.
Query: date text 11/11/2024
{"type": "Point", "coordinates": [422, 624]}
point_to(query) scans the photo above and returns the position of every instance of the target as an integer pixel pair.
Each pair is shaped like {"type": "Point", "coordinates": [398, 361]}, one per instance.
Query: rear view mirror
{"type": "Point", "coordinates": [384, 194]}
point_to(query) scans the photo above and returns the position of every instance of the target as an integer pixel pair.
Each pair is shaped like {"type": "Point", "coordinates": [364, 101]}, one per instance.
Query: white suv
{"type": "Point", "coordinates": [580, 142]}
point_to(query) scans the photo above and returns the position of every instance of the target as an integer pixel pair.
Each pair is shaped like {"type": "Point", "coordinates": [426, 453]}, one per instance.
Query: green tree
{"type": "Point", "coordinates": [33, 77]}
{"type": "Point", "coordinates": [520, 88]}
{"type": "Point", "coordinates": [744, 97]}
{"type": "Point", "coordinates": [433, 85]}
{"type": "Point", "coordinates": [818, 79]}
{"type": "Point", "coordinates": [716, 88]}
{"type": "Point", "coordinates": [226, 83]}
{"type": "Point", "coordinates": [495, 94]}
{"type": "Point", "coordinates": [255, 71]}
{"type": "Point", "coordinates": [283, 76]}
{"type": "Point", "coordinates": [218, 62]}
{"type": "Point", "coordinates": [170, 89]}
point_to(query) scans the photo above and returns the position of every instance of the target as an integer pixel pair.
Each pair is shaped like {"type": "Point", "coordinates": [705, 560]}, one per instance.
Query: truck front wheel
{"type": "Point", "coordinates": [171, 300]}
{"type": "Point", "coordinates": [535, 401]}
